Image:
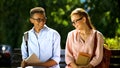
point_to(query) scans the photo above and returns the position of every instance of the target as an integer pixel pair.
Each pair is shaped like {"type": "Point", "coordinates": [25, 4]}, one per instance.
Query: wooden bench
{"type": "Point", "coordinates": [114, 60]}
{"type": "Point", "coordinates": [17, 58]}
{"type": "Point", "coordinates": [62, 62]}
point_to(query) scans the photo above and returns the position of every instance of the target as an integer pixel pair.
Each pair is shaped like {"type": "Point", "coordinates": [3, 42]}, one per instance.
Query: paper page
{"type": "Point", "coordinates": [26, 67]}
{"type": "Point", "coordinates": [32, 59]}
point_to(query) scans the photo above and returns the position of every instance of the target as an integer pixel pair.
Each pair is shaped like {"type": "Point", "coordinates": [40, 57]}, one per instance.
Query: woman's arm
{"type": "Point", "coordinates": [99, 50]}
{"type": "Point", "coordinates": [68, 51]}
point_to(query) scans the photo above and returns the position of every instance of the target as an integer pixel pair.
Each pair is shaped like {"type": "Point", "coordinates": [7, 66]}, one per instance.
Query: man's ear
{"type": "Point", "coordinates": [31, 20]}
{"type": "Point", "coordinates": [73, 25]}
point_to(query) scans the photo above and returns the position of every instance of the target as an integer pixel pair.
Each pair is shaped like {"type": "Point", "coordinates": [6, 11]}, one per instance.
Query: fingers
{"type": "Point", "coordinates": [23, 64]}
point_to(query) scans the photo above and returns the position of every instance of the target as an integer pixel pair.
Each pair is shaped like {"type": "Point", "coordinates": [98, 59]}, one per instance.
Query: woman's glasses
{"type": "Point", "coordinates": [76, 20]}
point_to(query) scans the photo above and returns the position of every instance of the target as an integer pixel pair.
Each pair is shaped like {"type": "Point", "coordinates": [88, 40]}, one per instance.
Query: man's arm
{"type": "Point", "coordinates": [49, 63]}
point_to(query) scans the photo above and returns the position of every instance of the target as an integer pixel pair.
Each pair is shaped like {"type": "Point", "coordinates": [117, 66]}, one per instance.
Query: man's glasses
{"type": "Point", "coordinates": [39, 19]}
{"type": "Point", "coordinates": [76, 20]}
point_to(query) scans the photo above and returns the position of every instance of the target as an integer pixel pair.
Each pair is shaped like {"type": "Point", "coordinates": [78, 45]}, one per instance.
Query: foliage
{"type": "Point", "coordinates": [14, 18]}
{"type": "Point", "coordinates": [113, 43]}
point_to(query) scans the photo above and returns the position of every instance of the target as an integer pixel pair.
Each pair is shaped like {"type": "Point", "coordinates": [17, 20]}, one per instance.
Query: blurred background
{"type": "Point", "coordinates": [14, 18]}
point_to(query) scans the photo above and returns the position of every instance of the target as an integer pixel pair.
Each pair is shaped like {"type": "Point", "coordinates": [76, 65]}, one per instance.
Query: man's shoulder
{"type": "Point", "coordinates": [28, 31]}
{"type": "Point", "coordinates": [25, 32]}
{"type": "Point", "coordinates": [52, 30]}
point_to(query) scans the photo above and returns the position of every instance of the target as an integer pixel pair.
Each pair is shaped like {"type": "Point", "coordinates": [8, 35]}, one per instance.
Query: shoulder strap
{"type": "Point", "coordinates": [95, 45]}
{"type": "Point", "coordinates": [26, 41]}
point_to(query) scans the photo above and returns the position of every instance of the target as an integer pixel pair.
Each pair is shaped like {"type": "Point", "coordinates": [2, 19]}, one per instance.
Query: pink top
{"type": "Point", "coordinates": [75, 44]}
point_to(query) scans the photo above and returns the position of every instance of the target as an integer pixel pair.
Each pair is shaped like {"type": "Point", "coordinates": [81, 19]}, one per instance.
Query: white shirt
{"type": "Point", "coordinates": [46, 45]}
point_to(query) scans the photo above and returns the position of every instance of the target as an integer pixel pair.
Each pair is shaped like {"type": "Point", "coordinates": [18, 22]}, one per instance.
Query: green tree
{"type": "Point", "coordinates": [14, 17]}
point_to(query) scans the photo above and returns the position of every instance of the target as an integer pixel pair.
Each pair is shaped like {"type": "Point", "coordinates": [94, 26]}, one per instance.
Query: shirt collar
{"type": "Point", "coordinates": [45, 27]}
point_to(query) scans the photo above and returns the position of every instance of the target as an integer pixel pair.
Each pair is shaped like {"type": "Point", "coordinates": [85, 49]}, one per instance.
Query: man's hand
{"type": "Point", "coordinates": [23, 64]}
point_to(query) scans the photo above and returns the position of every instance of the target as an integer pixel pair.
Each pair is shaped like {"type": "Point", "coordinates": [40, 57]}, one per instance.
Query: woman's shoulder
{"type": "Point", "coordinates": [72, 32]}
{"type": "Point", "coordinates": [98, 33]}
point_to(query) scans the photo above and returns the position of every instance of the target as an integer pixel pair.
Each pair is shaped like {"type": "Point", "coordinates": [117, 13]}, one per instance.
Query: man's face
{"type": "Point", "coordinates": [38, 20]}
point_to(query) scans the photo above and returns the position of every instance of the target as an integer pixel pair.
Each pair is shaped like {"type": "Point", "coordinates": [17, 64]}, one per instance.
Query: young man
{"type": "Point", "coordinates": [43, 41]}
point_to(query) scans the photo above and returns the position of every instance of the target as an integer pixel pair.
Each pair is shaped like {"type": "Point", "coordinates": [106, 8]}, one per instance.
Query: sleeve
{"type": "Point", "coordinates": [99, 50]}
{"type": "Point", "coordinates": [23, 49]}
{"type": "Point", "coordinates": [68, 51]}
{"type": "Point", "coordinates": [56, 47]}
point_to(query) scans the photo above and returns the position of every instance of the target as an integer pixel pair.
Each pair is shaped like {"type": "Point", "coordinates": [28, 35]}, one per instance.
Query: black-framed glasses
{"type": "Point", "coordinates": [39, 19]}
{"type": "Point", "coordinates": [76, 20]}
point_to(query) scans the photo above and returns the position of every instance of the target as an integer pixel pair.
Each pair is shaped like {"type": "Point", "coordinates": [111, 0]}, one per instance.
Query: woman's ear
{"type": "Point", "coordinates": [84, 19]}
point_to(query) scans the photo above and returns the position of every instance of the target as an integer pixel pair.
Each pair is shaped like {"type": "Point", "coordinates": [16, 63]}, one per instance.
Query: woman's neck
{"type": "Point", "coordinates": [85, 30]}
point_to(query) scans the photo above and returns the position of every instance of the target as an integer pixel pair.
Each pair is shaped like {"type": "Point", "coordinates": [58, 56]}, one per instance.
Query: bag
{"type": "Point", "coordinates": [83, 59]}
{"type": "Point", "coordinates": [106, 59]}
{"type": "Point", "coordinates": [106, 55]}
{"type": "Point", "coordinates": [26, 42]}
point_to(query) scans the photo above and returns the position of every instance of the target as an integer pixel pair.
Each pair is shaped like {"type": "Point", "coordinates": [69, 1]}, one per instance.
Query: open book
{"type": "Point", "coordinates": [32, 59]}
{"type": "Point", "coordinates": [83, 59]}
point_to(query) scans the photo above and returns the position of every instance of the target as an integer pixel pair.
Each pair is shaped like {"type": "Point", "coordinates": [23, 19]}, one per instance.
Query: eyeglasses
{"type": "Point", "coordinates": [39, 19]}
{"type": "Point", "coordinates": [76, 20]}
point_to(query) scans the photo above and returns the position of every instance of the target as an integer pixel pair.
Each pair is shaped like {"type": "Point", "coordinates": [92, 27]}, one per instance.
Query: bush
{"type": "Point", "coordinates": [113, 43]}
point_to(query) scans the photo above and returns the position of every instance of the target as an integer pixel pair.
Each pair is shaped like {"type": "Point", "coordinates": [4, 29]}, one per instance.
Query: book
{"type": "Point", "coordinates": [32, 59]}
{"type": "Point", "coordinates": [83, 59]}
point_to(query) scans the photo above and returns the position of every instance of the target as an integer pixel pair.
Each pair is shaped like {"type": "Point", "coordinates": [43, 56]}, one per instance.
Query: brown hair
{"type": "Point", "coordinates": [81, 12]}
{"type": "Point", "coordinates": [37, 10]}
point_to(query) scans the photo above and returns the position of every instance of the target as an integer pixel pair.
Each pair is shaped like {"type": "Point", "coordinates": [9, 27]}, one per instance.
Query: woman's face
{"type": "Point", "coordinates": [38, 20]}
{"type": "Point", "coordinates": [77, 21]}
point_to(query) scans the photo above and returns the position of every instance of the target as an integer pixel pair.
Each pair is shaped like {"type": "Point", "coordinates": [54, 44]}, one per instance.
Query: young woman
{"type": "Point", "coordinates": [82, 39]}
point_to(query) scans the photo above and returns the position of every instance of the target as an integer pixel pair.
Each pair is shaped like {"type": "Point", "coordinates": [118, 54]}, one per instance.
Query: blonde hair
{"type": "Point", "coordinates": [81, 12]}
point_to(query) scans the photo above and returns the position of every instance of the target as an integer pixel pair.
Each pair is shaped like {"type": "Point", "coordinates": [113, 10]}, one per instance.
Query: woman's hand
{"type": "Point", "coordinates": [82, 67]}
{"type": "Point", "coordinates": [87, 66]}
{"type": "Point", "coordinates": [73, 65]}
